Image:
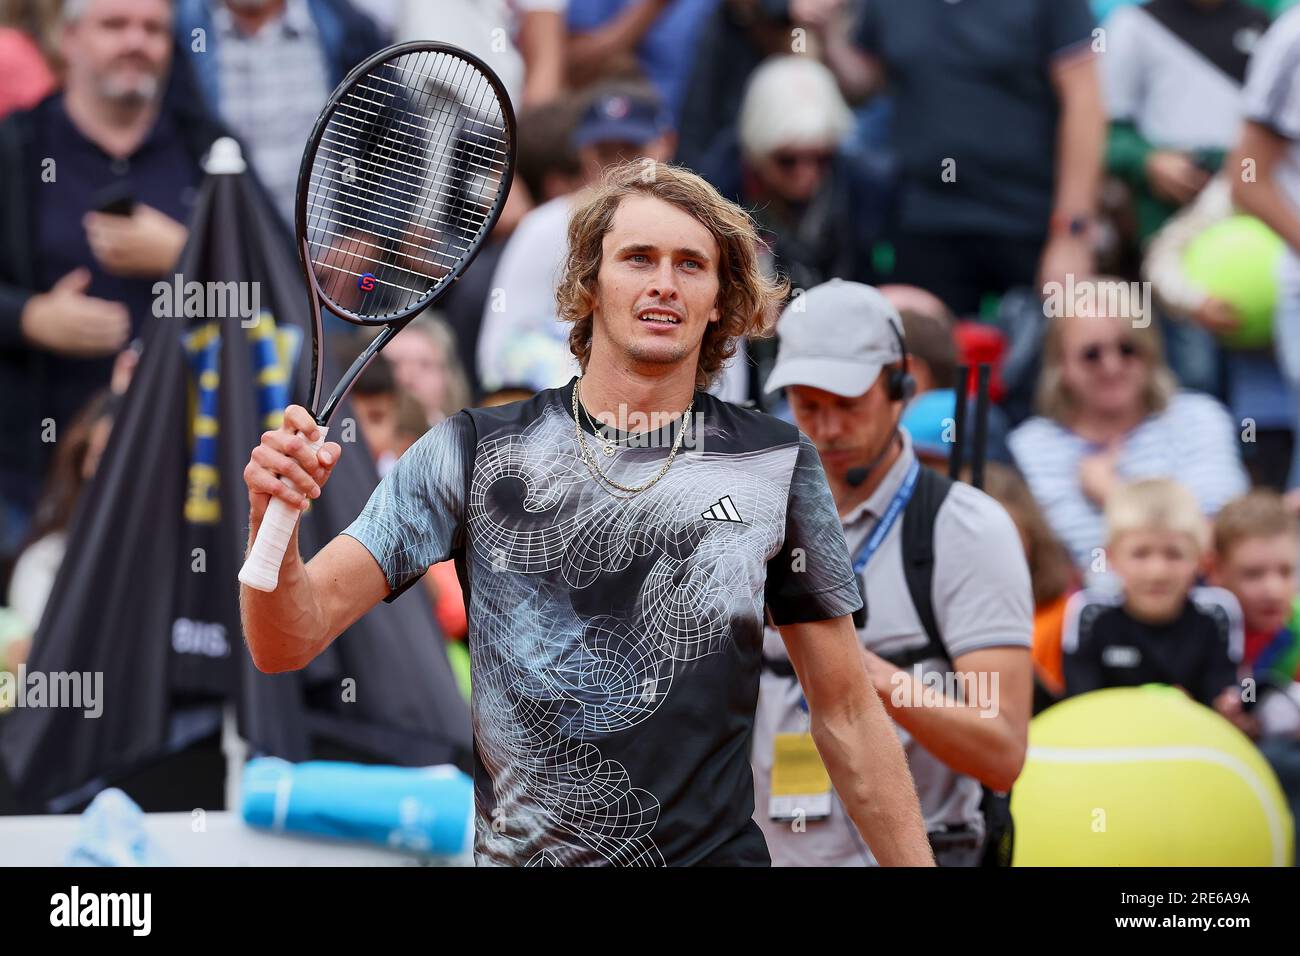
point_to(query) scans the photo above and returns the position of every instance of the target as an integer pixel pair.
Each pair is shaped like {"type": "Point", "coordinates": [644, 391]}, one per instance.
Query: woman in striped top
{"type": "Point", "coordinates": [1110, 412]}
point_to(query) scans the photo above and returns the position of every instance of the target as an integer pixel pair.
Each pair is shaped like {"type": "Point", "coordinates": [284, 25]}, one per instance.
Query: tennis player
{"type": "Point", "coordinates": [617, 578]}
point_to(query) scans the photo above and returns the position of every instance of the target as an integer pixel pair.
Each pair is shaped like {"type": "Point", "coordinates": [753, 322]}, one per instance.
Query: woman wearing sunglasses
{"type": "Point", "coordinates": [1109, 412]}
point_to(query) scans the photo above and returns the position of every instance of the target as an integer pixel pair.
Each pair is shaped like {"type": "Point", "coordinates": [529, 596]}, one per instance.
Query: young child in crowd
{"type": "Point", "coordinates": [1255, 556]}
{"type": "Point", "coordinates": [1158, 627]}
{"type": "Point", "coordinates": [1255, 553]}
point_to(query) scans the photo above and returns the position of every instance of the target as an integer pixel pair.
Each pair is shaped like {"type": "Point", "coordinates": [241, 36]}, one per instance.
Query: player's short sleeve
{"type": "Point", "coordinates": [1272, 91]}
{"type": "Point", "coordinates": [811, 578]}
{"type": "Point", "coordinates": [415, 517]}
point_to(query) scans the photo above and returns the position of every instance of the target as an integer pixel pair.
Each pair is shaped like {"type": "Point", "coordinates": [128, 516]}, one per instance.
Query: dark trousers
{"type": "Point", "coordinates": [962, 269]}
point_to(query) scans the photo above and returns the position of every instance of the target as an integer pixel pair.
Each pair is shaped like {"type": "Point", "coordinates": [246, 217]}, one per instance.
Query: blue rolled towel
{"type": "Point", "coordinates": [421, 809]}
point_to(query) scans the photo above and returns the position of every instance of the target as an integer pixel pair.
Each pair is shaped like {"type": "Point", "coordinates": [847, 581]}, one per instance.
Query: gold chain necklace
{"type": "Point", "coordinates": [607, 444]}
{"type": "Point", "coordinates": [591, 461]}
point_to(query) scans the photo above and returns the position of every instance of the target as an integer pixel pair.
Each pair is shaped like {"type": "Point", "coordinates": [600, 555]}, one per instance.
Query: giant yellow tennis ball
{"type": "Point", "coordinates": [1236, 261]}
{"type": "Point", "coordinates": [1144, 776]}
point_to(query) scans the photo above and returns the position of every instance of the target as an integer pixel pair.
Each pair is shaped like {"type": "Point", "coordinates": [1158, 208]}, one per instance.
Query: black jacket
{"type": "Point", "coordinates": [24, 373]}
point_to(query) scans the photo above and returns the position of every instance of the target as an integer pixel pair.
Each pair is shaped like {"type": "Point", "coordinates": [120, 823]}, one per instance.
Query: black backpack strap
{"type": "Point", "coordinates": [917, 548]}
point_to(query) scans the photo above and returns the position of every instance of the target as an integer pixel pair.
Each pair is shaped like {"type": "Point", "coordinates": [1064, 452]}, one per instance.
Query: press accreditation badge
{"type": "Point", "coordinates": [801, 787]}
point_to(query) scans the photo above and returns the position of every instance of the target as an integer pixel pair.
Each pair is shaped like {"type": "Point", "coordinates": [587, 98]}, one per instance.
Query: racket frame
{"type": "Point", "coordinates": [261, 569]}
{"type": "Point", "coordinates": [390, 325]}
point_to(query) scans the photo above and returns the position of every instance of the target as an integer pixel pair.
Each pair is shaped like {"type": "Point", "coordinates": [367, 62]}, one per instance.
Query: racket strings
{"type": "Point", "coordinates": [386, 209]}
{"type": "Point", "coordinates": [370, 152]}
{"type": "Point", "coordinates": [392, 159]}
{"type": "Point", "coordinates": [406, 176]}
{"type": "Point", "coordinates": [386, 144]}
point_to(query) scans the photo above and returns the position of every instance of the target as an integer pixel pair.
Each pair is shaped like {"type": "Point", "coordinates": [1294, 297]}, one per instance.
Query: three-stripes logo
{"type": "Point", "coordinates": [723, 510]}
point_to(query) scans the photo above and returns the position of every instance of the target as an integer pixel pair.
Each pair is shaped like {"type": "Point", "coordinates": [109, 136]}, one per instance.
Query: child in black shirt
{"type": "Point", "coordinates": [1160, 629]}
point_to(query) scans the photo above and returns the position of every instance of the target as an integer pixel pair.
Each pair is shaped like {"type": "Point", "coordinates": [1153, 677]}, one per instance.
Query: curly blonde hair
{"type": "Point", "coordinates": [748, 300]}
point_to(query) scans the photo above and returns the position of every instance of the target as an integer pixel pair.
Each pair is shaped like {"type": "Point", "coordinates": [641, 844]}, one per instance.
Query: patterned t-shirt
{"type": "Point", "coordinates": [615, 642]}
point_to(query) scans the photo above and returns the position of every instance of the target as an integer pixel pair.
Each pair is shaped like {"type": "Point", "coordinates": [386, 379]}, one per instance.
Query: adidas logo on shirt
{"type": "Point", "coordinates": [723, 510]}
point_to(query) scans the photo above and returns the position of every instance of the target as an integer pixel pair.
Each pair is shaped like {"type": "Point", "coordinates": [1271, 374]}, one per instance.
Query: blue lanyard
{"type": "Point", "coordinates": [896, 505]}
{"type": "Point", "coordinates": [901, 497]}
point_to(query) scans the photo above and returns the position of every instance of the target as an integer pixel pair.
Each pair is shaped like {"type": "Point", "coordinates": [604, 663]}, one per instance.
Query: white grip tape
{"type": "Point", "coordinates": [261, 571]}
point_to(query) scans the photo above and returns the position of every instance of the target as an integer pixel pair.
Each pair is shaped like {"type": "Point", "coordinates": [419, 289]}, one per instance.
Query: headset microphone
{"type": "Point", "coordinates": [856, 476]}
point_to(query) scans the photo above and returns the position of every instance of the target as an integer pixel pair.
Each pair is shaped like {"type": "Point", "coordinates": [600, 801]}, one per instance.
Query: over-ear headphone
{"type": "Point", "coordinates": [900, 386]}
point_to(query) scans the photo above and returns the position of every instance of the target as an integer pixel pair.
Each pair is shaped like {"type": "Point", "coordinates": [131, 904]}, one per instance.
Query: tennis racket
{"type": "Point", "coordinates": [403, 178]}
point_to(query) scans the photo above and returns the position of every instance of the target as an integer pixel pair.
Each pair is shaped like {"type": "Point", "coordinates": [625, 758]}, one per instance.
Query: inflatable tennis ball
{"type": "Point", "coordinates": [1236, 261]}
{"type": "Point", "coordinates": [1145, 776]}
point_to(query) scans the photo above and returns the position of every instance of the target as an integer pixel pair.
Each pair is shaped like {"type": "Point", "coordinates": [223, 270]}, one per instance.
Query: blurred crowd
{"type": "Point", "coordinates": [1099, 200]}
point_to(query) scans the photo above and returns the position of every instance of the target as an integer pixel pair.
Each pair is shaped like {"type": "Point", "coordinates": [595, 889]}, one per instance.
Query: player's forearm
{"type": "Point", "coordinates": [869, 770]}
{"type": "Point", "coordinates": [284, 628]}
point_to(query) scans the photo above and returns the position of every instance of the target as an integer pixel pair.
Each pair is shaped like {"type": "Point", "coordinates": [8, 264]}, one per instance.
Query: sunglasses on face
{"type": "Point", "coordinates": [787, 160]}
{"type": "Point", "coordinates": [1093, 354]}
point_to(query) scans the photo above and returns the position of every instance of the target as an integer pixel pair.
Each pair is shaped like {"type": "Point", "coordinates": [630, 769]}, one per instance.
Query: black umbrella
{"type": "Point", "coordinates": [147, 593]}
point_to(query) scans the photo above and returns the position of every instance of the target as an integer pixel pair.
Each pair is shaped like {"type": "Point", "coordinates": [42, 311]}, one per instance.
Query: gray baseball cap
{"type": "Point", "coordinates": [836, 336]}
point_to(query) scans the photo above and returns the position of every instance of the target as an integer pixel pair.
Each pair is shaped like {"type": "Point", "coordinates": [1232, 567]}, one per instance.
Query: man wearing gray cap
{"type": "Point", "coordinates": [948, 605]}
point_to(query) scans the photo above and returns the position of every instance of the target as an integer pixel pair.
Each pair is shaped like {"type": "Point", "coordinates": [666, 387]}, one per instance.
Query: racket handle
{"type": "Point", "coordinates": [261, 570]}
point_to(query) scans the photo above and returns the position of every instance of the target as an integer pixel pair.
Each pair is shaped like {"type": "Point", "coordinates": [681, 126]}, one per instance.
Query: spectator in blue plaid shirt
{"type": "Point", "coordinates": [266, 67]}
